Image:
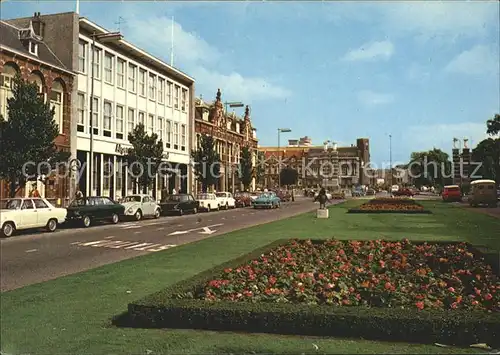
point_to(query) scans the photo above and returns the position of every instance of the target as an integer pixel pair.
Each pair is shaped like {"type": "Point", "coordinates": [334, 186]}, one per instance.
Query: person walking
{"type": "Point", "coordinates": [322, 198]}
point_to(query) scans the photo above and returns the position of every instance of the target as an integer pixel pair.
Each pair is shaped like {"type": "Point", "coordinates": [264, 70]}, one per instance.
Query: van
{"type": "Point", "coordinates": [452, 193]}
{"type": "Point", "coordinates": [483, 192]}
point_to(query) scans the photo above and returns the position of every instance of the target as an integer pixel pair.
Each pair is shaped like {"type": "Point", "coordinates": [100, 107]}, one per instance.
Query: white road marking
{"type": "Point", "coordinates": [147, 247]}
{"type": "Point", "coordinates": [137, 232]}
{"type": "Point", "coordinates": [31, 250]}
{"type": "Point", "coordinates": [160, 229]}
{"type": "Point", "coordinates": [92, 243]}
{"type": "Point", "coordinates": [195, 229]}
{"type": "Point", "coordinates": [223, 218]}
{"type": "Point", "coordinates": [118, 244]}
{"type": "Point", "coordinates": [132, 227]}
{"type": "Point", "coordinates": [75, 243]}
{"type": "Point", "coordinates": [140, 244]}
{"type": "Point", "coordinates": [109, 237]}
{"type": "Point", "coordinates": [163, 247]}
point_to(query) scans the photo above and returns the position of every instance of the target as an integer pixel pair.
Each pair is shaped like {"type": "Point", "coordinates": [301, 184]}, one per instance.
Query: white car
{"type": "Point", "coordinates": [226, 200]}
{"type": "Point", "coordinates": [27, 213]}
{"type": "Point", "coordinates": [208, 202]}
{"type": "Point", "coordinates": [140, 206]}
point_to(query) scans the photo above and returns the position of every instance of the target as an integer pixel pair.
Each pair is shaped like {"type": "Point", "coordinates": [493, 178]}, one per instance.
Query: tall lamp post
{"type": "Point", "coordinates": [390, 159]}
{"type": "Point", "coordinates": [231, 104]}
{"type": "Point", "coordinates": [104, 38]}
{"type": "Point", "coordinates": [280, 130]}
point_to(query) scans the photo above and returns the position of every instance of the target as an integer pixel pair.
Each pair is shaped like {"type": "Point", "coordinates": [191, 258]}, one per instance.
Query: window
{"type": "Point", "coordinates": [141, 119]}
{"type": "Point", "coordinates": [142, 82]}
{"type": "Point", "coordinates": [168, 132]}
{"type": "Point", "coordinates": [56, 102]}
{"type": "Point", "coordinates": [176, 135]}
{"type": "Point", "coordinates": [184, 100]}
{"type": "Point", "coordinates": [130, 120]}
{"type": "Point", "coordinates": [107, 173]}
{"type": "Point", "coordinates": [95, 173]}
{"type": "Point", "coordinates": [132, 72]}
{"type": "Point", "coordinates": [119, 122]}
{"type": "Point", "coordinates": [120, 73]}
{"type": "Point", "coordinates": [183, 137]}
{"type": "Point", "coordinates": [27, 205]}
{"type": "Point", "coordinates": [106, 121]}
{"type": "Point", "coordinates": [151, 121]}
{"type": "Point", "coordinates": [119, 175]}
{"type": "Point", "coordinates": [82, 57]}
{"type": "Point", "coordinates": [152, 86]}
{"type": "Point", "coordinates": [169, 93]}
{"type": "Point", "coordinates": [33, 47]}
{"type": "Point", "coordinates": [81, 112]}
{"type": "Point", "coordinates": [95, 115]}
{"type": "Point", "coordinates": [161, 90]}
{"type": "Point", "coordinates": [108, 68]}
{"type": "Point", "coordinates": [97, 63]}
{"type": "Point", "coordinates": [159, 127]}
{"type": "Point", "coordinates": [6, 86]}
{"type": "Point", "coordinates": [176, 97]}
{"type": "Point", "coordinates": [40, 204]}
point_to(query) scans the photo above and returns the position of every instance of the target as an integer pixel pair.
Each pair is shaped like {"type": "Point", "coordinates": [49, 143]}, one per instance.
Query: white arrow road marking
{"type": "Point", "coordinates": [31, 250]}
{"type": "Point", "coordinates": [160, 229]}
{"type": "Point", "coordinates": [196, 229]}
{"type": "Point", "coordinates": [207, 230]}
{"type": "Point", "coordinates": [132, 227]}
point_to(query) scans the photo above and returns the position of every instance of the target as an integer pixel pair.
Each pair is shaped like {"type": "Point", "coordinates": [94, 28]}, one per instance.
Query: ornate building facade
{"type": "Point", "coordinates": [23, 51]}
{"type": "Point", "coordinates": [231, 133]}
{"type": "Point", "coordinates": [328, 165]}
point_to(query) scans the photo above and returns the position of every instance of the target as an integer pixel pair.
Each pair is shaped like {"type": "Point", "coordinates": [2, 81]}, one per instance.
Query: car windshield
{"type": "Point", "coordinates": [174, 198]}
{"type": "Point", "coordinates": [132, 199]}
{"type": "Point", "coordinates": [220, 194]}
{"type": "Point", "coordinates": [452, 189]}
{"type": "Point", "coordinates": [13, 204]}
{"type": "Point", "coordinates": [78, 202]}
{"type": "Point", "coordinates": [204, 197]}
{"type": "Point", "coordinates": [265, 195]}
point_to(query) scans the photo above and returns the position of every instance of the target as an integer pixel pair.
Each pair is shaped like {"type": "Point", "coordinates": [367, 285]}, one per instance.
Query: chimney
{"type": "Point", "coordinates": [38, 25]}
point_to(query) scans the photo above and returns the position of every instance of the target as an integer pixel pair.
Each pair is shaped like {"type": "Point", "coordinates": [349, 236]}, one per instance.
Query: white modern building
{"type": "Point", "coordinates": [130, 86]}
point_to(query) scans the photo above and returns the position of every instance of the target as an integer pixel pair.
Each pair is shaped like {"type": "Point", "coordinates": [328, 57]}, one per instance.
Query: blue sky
{"type": "Point", "coordinates": [422, 72]}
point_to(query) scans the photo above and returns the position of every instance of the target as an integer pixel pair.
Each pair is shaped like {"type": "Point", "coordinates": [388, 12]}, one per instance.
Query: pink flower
{"type": "Point", "coordinates": [451, 289]}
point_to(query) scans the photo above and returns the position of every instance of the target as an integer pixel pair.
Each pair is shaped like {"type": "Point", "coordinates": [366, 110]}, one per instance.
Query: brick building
{"type": "Point", "coordinates": [24, 51]}
{"type": "Point", "coordinates": [327, 165]}
{"type": "Point", "coordinates": [231, 132]}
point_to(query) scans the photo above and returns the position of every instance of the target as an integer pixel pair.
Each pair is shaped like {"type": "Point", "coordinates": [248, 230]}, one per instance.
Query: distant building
{"type": "Point", "coordinates": [327, 165]}
{"type": "Point", "coordinates": [231, 133]}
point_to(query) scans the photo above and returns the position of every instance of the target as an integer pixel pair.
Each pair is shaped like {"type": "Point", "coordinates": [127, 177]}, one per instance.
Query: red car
{"type": "Point", "coordinates": [452, 193]}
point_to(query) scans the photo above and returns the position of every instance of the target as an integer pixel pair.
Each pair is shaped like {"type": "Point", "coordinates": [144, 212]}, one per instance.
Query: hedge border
{"type": "Point", "coordinates": [389, 201]}
{"type": "Point", "coordinates": [163, 310]}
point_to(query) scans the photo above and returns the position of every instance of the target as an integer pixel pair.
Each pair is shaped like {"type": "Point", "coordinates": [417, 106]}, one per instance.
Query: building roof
{"type": "Point", "coordinates": [9, 39]}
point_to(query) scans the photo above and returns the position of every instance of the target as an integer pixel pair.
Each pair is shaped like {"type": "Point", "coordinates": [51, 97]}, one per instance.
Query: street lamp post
{"type": "Point", "coordinates": [280, 130]}
{"type": "Point", "coordinates": [103, 37]}
{"type": "Point", "coordinates": [227, 161]}
{"type": "Point", "coordinates": [390, 159]}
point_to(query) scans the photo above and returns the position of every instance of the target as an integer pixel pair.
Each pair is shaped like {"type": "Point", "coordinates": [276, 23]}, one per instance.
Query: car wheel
{"type": "Point", "coordinates": [278, 205]}
{"type": "Point", "coordinates": [138, 215]}
{"type": "Point", "coordinates": [8, 229]}
{"type": "Point", "coordinates": [115, 219]}
{"type": "Point", "coordinates": [181, 212]}
{"type": "Point", "coordinates": [86, 221]}
{"type": "Point", "coordinates": [157, 213]}
{"type": "Point", "coordinates": [52, 225]}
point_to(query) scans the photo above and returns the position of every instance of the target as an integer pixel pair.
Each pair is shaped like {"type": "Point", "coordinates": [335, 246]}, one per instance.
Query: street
{"type": "Point", "coordinates": [33, 258]}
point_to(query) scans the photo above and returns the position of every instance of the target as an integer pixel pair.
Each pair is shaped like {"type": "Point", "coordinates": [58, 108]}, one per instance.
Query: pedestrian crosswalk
{"type": "Point", "coordinates": [125, 245]}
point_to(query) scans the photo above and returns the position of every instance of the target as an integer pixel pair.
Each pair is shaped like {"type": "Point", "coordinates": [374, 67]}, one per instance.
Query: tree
{"type": "Point", "coordinates": [493, 125]}
{"type": "Point", "coordinates": [289, 176]}
{"type": "Point", "coordinates": [430, 168]}
{"type": "Point", "coordinates": [28, 151]}
{"type": "Point", "coordinates": [246, 167]}
{"type": "Point", "coordinates": [145, 156]}
{"type": "Point", "coordinates": [207, 162]}
{"type": "Point", "coordinates": [260, 168]}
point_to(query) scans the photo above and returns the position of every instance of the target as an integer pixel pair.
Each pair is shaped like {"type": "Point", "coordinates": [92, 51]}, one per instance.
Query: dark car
{"type": "Point", "coordinates": [87, 210]}
{"type": "Point", "coordinates": [243, 199]}
{"type": "Point", "coordinates": [179, 204]}
{"type": "Point", "coordinates": [403, 192]}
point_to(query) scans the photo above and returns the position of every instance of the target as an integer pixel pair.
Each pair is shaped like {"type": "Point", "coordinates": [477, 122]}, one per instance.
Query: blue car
{"type": "Point", "coordinates": [267, 200]}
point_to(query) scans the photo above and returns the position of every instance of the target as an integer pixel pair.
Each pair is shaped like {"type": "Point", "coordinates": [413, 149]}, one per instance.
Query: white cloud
{"type": "Point", "coordinates": [424, 137]}
{"type": "Point", "coordinates": [430, 20]}
{"type": "Point", "coordinates": [370, 98]}
{"type": "Point", "coordinates": [197, 58]}
{"type": "Point", "coordinates": [371, 51]}
{"type": "Point", "coordinates": [480, 59]}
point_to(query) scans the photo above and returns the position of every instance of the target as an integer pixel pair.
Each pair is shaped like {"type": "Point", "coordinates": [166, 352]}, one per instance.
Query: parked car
{"type": "Point", "coordinates": [254, 195]}
{"type": "Point", "coordinates": [29, 213]}
{"type": "Point", "coordinates": [483, 192]}
{"type": "Point", "coordinates": [243, 199]}
{"type": "Point", "coordinates": [87, 210]}
{"type": "Point", "coordinates": [208, 202]}
{"type": "Point", "coordinates": [358, 192]}
{"type": "Point", "coordinates": [370, 192]}
{"type": "Point", "coordinates": [284, 195]}
{"type": "Point", "coordinates": [267, 200]}
{"type": "Point", "coordinates": [179, 204]}
{"type": "Point", "coordinates": [226, 200]}
{"type": "Point", "coordinates": [403, 192]}
{"type": "Point", "coordinates": [452, 193]}
{"type": "Point", "coordinates": [140, 206]}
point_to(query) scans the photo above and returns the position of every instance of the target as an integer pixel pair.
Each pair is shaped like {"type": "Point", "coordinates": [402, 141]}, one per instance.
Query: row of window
{"type": "Point", "coordinates": [130, 76]}
{"type": "Point", "coordinates": [174, 134]}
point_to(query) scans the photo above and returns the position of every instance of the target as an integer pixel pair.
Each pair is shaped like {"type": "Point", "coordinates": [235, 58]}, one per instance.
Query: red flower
{"type": "Point", "coordinates": [420, 305]}
{"type": "Point", "coordinates": [488, 296]}
{"type": "Point", "coordinates": [451, 289]}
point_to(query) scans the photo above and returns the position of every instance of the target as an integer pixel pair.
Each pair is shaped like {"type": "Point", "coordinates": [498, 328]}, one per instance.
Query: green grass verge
{"type": "Point", "coordinates": [71, 315]}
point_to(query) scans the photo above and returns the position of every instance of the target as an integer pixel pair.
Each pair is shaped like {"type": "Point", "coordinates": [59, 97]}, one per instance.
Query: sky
{"type": "Point", "coordinates": [420, 72]}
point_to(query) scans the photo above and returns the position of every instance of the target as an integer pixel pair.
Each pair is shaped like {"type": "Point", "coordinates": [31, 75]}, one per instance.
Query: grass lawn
{"type": "Point", "coordinates": [71, 315]}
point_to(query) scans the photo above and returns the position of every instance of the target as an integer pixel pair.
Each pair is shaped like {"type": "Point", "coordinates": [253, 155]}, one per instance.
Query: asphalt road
{"type": "Point", "coordinates": [32, 258]}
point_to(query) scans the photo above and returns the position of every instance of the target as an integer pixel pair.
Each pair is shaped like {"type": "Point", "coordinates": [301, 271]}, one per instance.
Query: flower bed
{"type": "Point", "coordinates": [373, 289]}
{"type": "Point", "coordinates": [390, 205]}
